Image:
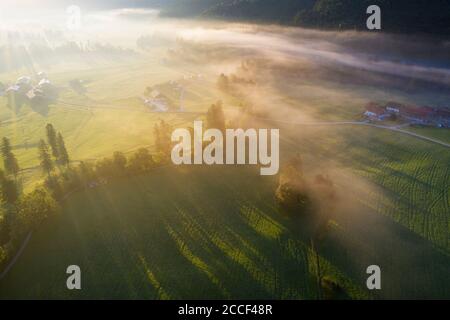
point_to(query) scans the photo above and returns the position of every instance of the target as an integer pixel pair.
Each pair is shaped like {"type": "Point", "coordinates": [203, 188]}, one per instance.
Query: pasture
{"type": "Point", "coordinates": [110, 116]}
{"type": "Point", "coordinates": [209, 233]}
{"type": "Point", "coordinates": [189, 233]}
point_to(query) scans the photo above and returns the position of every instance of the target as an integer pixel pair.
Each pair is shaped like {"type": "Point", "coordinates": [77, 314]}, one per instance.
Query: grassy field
{"type": "Point", "coordinates": [409, 177]}
{"type": "Point", "coordinates": [435, 133]}
{"type": "Point", "coordinates": [109, 117]}
{"type": "Point", "coordinates": [170, 235]}
{"type": "Point", "coordinates": [209, 232]}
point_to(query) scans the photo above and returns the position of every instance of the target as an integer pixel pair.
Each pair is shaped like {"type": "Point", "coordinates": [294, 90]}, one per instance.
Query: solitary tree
{"type": "Point", "coordinates": [62, 151]}
{"type": "Point", "coordinates": [52, 140]}
{"type": "Point", "coordinates": [9, 159]}
{"type": "Point", "coordinates": [215, 118]}
{"type": "Point", "coordinates": [44, 157]}
{"type": "Point", "coordinates": [293, 194]}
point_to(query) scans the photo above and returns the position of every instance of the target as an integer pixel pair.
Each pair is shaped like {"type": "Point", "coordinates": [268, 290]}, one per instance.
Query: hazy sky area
{"type": "Point", "coordinates": [88, 4]}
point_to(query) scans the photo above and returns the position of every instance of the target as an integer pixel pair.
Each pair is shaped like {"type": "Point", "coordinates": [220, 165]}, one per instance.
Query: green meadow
{"type": "Point", "coordinates": [110, 116]}
{"type": "Point", "coordinates": [191, 233]}
{"type": "Point", "coordinates": [181, 233]}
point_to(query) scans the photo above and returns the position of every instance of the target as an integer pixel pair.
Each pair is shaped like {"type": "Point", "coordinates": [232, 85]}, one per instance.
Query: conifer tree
{"type": "Point", "coordinates": [62, 151]}
{"type": "Point", "coordinates": [52, 140]}
{"type": "Point", "coordinates": [10, 162]}
{"type": "Point", "coordinates": [44, 157]}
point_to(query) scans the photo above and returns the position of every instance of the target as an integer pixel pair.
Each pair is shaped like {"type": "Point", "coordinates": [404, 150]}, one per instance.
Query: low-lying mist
{"type": "Point", "coordinates": [289, 77]}
{"type": "Point", "coordinates": [290, 73]}
{"type": "Point", "coordinates": [395, 55]}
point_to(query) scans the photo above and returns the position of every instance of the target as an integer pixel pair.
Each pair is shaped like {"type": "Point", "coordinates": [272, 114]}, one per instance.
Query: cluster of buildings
{"type": "Point", "coordinates": [426, 116]}
{"type": "Point", "coordinates": [157, 101]}
{"type": "Point", "coordinates": [25, 90]}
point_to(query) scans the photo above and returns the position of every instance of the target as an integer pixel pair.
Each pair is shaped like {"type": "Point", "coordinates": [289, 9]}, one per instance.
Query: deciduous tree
{"type": "Point", "coordinates": [141, 161]}
{"type": "Point", "coordinates": [35, 207]}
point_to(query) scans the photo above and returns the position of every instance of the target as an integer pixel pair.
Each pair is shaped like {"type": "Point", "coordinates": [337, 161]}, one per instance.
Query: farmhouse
{"type": "Point", "coordinates": [44, 91]}
{"type": "Point", "coordinates": [24, 92]}
{"type": "Point", "coordinates": [443, 117]}
{"type": "Point", "coordinates": [16, 93]}
{"type": "Point", "coordinates": [13, 89]}
{"type": "Point", "coordinates": [157, 101]}
{"type": "Point", "coordinates": [374, 111]}
{"type": "Point", "coordinates": [25, 80]}
{"type": "Point", "coordinates": [41, 75]}
{"type": "Point", "coordinates": [43, 83]}
{"type": "Point", "coordinates": [22, 86]}
{"type": "Point", "coordinates": [393, 110]}
{"type": "Point", "coordinates": [419, 115]}
{"type": "Point", "coordinates": [424, 115]}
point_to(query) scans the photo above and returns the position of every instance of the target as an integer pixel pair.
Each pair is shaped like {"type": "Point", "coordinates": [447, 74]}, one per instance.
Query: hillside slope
{"type": "Point", "coordinates": [420, 16]}
{"type": "Point", "coordinates": [207, 232]}
{"type": "Point", "coordinates": [263, 10]}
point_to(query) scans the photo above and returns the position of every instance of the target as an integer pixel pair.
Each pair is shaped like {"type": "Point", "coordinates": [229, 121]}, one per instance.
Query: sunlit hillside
{"type": "Point", "coordinates": [364, 128]}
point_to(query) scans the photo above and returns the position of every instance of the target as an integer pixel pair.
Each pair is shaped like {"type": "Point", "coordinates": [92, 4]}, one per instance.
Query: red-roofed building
{"type": "Point", "coordinates": [424, 115]}
{"type": "Point", "coordinates": [443, 112]}
{"type": "Point", "coordinates": [375, 109]}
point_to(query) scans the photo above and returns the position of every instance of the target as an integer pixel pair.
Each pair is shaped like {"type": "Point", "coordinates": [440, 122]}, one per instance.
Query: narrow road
{"type": "Point", "coordinates": [357, 123]}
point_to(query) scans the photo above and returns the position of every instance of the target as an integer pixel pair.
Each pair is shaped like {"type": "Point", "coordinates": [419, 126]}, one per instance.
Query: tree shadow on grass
{"type": "Point", "coordinates": [412, 268]}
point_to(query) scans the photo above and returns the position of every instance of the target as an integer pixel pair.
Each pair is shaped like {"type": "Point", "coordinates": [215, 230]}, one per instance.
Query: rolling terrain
{"type": "Point", "coordinates": [217, 232]}
{"type": "Point", "coordinates": [208, 233]}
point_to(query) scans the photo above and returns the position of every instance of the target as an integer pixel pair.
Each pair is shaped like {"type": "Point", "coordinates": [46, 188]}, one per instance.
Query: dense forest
{"type": "Point", "coordinates": [418, 16]}
{"type": "Point", "coordinates": [405, 16]}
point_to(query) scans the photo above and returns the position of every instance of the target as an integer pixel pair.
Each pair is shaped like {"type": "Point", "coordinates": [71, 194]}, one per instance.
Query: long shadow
{"type": "Point", "coordinates": [412, 268]}
{"type": "Point", "coordinates": [194, 238]}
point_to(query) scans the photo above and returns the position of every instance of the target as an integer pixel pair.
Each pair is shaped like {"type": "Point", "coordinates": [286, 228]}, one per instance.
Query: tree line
{"type": "Point", "coordinates": [309, 203]}
{"type": "Point", "coordinates": [20, 212]}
